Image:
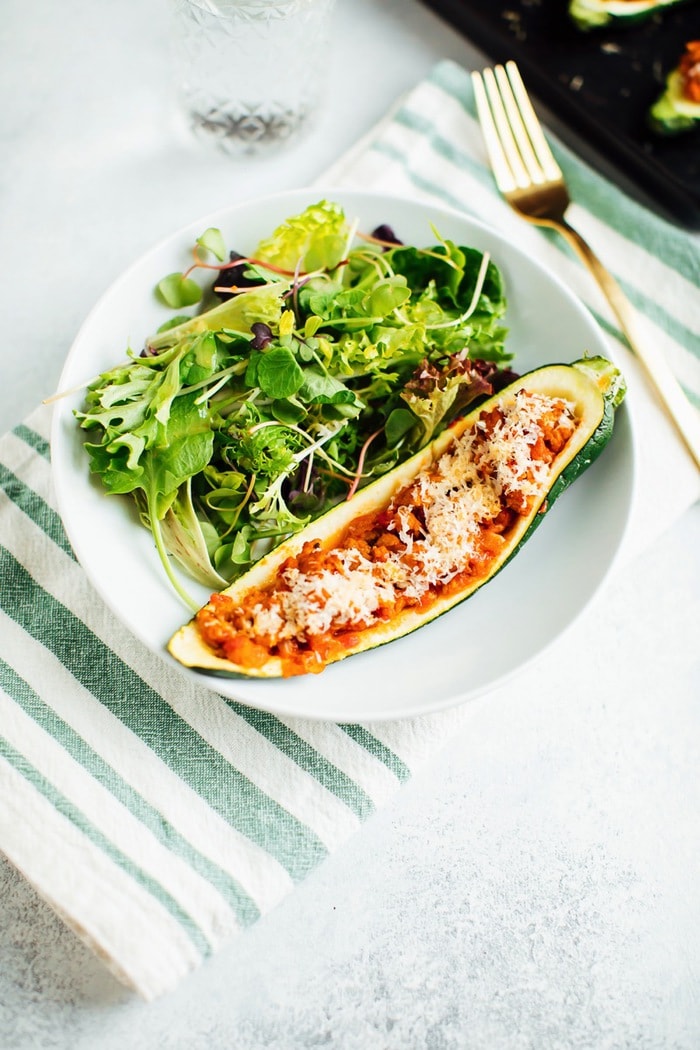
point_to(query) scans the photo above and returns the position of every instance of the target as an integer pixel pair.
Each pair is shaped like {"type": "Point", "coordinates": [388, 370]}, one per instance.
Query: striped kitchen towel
{"type": "Point", "coordinates": [157, 817]}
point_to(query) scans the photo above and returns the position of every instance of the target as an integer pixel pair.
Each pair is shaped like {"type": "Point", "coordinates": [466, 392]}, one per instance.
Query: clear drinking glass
{"type": "Point", "coordinates": [250, 73]}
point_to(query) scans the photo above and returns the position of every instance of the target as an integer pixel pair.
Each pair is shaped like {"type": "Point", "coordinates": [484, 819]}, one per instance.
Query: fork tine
{"type": "Point", "coordinates": [517, 127]}
{"type": "Point", "coordinates": [504, 131]}
{"type": "Point", "coordinates": [505, 179]}
{"type": "Point", "coordinates": [534, 130]}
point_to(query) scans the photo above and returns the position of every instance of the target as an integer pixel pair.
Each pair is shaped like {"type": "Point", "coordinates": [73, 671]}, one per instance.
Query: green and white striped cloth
{"type": "Point", "coordinates": [159, 818]}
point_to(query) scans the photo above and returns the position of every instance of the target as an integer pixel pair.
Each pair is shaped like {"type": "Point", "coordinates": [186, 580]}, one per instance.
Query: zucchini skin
{"type": "Point", "coordinates": [600, 390]}
{"type": "Point", "coordinates": [672, 113]}
{"type": "Point", "coordinates": [590, 15]}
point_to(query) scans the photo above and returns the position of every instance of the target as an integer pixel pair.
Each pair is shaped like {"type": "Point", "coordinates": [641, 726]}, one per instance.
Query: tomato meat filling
{"type": "Point", "coordinates": [440, 533]}
{"type": "Point", "coordinates": [689, 69]}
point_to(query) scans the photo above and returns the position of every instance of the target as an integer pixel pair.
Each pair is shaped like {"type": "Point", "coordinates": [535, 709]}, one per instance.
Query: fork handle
{"type": "Point", "coordinates": [669, 390]}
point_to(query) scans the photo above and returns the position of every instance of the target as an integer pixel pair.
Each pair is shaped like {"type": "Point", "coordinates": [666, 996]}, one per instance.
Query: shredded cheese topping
{"type": "Point", "coordinates": [438, 521]}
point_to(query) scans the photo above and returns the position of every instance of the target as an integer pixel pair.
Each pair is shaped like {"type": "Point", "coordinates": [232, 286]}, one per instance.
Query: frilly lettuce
{"type": "Point", "coordinates": [315, 239]}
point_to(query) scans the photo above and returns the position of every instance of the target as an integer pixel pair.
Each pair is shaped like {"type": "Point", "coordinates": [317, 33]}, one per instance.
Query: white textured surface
{"type": "Point", "coordinates": [536, 886]}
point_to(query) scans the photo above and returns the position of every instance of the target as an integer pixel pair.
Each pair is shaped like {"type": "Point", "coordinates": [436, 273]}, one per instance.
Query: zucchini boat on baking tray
{"type": "Point", "coordinates": [678, 108]}
{"type": "Point", "coordinates": [418, 541]}
{"type": "Point", "coordinates": [614, 14]}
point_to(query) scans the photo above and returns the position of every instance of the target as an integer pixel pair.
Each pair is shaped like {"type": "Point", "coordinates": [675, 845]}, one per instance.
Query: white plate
{"type": "Point", "coordinates": [467, 651]}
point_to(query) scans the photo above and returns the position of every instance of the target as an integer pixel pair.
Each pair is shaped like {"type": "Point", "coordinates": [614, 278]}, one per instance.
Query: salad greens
{"type": "Point", "coordinates": [331, 356]}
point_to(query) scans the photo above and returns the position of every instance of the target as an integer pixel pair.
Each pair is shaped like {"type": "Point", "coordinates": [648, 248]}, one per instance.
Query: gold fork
{"type": "Point", "coordinates": [530, 179]}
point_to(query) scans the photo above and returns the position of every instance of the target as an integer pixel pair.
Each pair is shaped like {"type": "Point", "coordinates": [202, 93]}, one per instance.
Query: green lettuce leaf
{"type": "Point", "coordinates": [316, 238]}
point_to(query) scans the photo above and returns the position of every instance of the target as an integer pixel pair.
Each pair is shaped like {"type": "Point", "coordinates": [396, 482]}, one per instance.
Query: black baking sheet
{"type": "Point", "coordinates": [600, 85]}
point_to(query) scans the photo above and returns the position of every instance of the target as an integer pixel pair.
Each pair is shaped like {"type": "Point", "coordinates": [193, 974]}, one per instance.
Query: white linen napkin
{"type": "Point", "coordinates": [159, 818]}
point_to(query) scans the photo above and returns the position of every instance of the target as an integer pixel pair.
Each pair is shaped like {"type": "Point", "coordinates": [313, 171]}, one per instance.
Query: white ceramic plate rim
{"type": "Point", "coordinates": [477, 646]}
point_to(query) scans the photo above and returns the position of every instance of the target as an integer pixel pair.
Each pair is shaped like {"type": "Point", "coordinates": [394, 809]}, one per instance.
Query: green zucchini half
{"type": "Point", "coordinates": [613, 14]}
{"type": "Point", "coordinates": [593, 385]}
{"type": "Point", "coordinates": [673, 112]}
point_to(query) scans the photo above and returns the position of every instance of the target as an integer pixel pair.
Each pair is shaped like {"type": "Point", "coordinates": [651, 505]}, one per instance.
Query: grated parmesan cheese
{"type": "Point", "coordinates": [459, 495]}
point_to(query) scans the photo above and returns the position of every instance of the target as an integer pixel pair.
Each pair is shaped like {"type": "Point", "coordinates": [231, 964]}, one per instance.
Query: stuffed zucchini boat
{"type": "Point", "coordinates": [416, 542]}
{"type": "Point", "coordinates": [613, 14]}
{"type": "Point", "coordinates": [678, 108]}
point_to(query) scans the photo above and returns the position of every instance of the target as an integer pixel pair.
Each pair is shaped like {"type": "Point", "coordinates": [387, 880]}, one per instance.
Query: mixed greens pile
{"type": "Point", "coordinates": [330, 355]}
